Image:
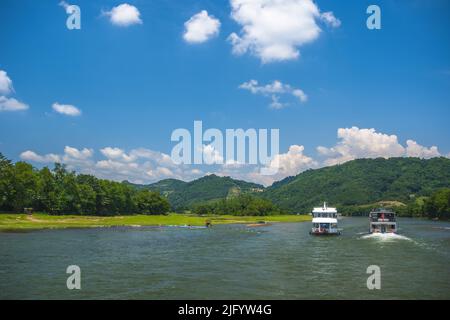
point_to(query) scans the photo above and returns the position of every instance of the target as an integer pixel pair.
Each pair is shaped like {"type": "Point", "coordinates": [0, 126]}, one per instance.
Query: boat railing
{"type": "Point", "coordinates": [379, 218]}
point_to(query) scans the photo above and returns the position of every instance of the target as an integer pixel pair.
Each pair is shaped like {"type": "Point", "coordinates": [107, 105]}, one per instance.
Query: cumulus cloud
{"type": "Point", "coordinates": [200, 27]}
{"type": "Point", "coordinates": [367, 143]}
{"type": "Point", "coordinates": [291, 163]}
{"type": "Point", "coordinates": [74, 153]}
{"type": "Point", "coordinates": [66, 109]}
{"type": "Point", "coordinates": [274, 90]}
{"type": "Point", "coordinates": [282, 165]}
{"type": "Point", "coordinates": [33, 156]}
{"type": "Point", "coordinates": [414, 149]}
{"type": "Point", "coordinates": [273, 30]}
{"type": "Point", "coordinates": [11, 104]}
{"type": "Point", "coordinates": [143, 165]}
{"type": "Point", "coordinates": [138, 165]}
{"type": "Point", "coordinates": [116, 154]}
{"type": "Point", "coordinates": [124, 15]}
{"type": "Point", "coordinates": [211, 155]}
{"type": "Point", "coordinates": [6, 86]}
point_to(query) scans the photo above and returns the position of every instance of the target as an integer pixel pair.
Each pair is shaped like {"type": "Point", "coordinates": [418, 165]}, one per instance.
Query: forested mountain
{"type": "Point", "coordinates": [361, 182]}
{"type": "Point", "coordinates": [182, 195]}
{"type": "Point", "coordinates": [165, 187]}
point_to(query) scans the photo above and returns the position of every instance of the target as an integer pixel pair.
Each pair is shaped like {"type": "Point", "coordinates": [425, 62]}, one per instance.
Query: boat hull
{"type": "Point", "coordinates": [317, 233]}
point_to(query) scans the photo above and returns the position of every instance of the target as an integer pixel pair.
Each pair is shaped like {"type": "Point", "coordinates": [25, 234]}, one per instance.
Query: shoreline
{"type": "Point", "coordinates": [17, 222]}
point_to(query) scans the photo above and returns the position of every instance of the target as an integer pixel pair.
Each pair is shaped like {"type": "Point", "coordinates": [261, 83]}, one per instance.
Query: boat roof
{"type": "Point", "coordinates": [324, 220]}
{"type": "Point", "coordinates": [324, 209]}
{"type": "Point", "coordinates": [382, 210]}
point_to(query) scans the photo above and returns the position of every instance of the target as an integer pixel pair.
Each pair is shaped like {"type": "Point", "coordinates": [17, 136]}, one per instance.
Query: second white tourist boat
{"type": "Point", "coordinates": [382, 221]}
{"type": "Point", "coordinates": [325, 221]}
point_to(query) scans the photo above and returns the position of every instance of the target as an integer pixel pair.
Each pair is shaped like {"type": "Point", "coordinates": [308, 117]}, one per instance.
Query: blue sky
{"type": "Point", "coordinates": [135, 84]}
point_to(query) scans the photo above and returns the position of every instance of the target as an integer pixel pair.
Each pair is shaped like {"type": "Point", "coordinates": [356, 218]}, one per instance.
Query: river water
{"type": "Point", "coordinates": [280, 261]}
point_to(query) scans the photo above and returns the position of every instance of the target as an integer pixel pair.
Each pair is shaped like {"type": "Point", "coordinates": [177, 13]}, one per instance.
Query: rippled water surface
{"type": "Point", "coordinates": [280, 261]}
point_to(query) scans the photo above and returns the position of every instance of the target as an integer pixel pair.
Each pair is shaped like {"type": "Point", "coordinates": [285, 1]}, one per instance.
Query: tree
{"type": "Point", "coordinates": [23, 186]}
{"type": "Point", "coordinates": [438, 204]}
{"type": "Point", "coordinates": [149, 202]}
{"type": "Point", "coordinates": [6, 176]}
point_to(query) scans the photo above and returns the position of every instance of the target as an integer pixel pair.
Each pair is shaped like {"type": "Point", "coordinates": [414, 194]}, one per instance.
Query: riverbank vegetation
{"type": "Point", "coordinates": [59, 191]}
{"type": "Point", "coordinates": [17, 222]}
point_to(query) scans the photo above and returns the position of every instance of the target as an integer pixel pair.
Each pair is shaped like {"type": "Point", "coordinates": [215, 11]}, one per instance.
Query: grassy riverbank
{"type": "Point", "coordinates": [11, 222]}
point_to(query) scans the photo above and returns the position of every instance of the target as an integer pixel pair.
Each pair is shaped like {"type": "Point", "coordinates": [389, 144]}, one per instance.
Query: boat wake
{"type": "Point", "coordinates": [385, 236]}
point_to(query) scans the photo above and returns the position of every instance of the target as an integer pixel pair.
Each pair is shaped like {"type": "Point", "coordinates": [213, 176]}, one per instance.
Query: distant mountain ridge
{"type": "Point", "coordinates": [354, 183]}
{"type": "Point", "coordinates": [361, 182]}
{"type": "Point", "coordinates": [182, 195]}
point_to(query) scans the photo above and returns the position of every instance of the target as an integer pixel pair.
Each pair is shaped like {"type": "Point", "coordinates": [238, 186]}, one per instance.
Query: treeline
{"type": "Point", "coordinates": [59, 191]}
{"type": "Point", "coordinates": [242, 205]}
{"type": "Point", "coordinates": [436, 206]}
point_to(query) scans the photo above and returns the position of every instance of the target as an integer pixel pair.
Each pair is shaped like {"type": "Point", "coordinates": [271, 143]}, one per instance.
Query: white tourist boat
{"type": "Point", "coordinates": [325, 221]}
{"type": "Point", "coordinates": [382, 221]}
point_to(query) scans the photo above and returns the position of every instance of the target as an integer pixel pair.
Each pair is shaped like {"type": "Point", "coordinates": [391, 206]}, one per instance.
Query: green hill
{"type": "Point", "coordinates": [165, 187]}
{"type": "Point", "coordinates": [183, 195]}
{"type": "Point", "coordinates": [361, 182]}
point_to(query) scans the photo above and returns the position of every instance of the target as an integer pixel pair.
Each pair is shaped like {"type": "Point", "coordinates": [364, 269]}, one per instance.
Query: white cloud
{"type": "Point", "coordinates": [330, 19]}
{"type": "Point", "coordinates": [300, 95]}
{"type": "Point", "coordinates": [73, 157]}
{"type": "Point", "coordinates": [74, 153]}
{"type": "Point", "coordinates": [282, 165]}
{"type": "Point", "coordinates": [200, 27]}
{"type": "Point", "coordinates": [124, 15]}
{"type": "Point", "coordinates": [273, 30]}
{"type": "Point", "coordinates": [66, 109]}
{"type": "Point", "coordinates": [211, 155]}
{"type": "Point", "coordinates": [414, 149]}
{"type": "Point", "coordinates": [358, 143]}
{"type": "Point", "coordinates": [6, 86]}
{"type": "Point", "coordinates": [139, 165]}
{"type": "Point", "coordinates": [117, 154]}
{"type": "Point", "coordinates": [146, 166]}
{"type": "Point", "coordinates": [32, 156]}
{"type": "Point", "coordinates": [275, 90]}
{"type": "Point", "coordinates": [11, 104]}
{"type": "Point", "coordinates": [291, 163]}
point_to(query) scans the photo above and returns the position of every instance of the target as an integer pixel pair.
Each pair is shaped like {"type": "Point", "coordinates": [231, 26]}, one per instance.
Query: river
{"type": "Point", "coordinates": [279, 261]}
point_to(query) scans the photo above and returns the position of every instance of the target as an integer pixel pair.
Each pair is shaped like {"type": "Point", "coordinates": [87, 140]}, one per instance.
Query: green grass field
{"type": "Point", "coordinates": [17, 222]}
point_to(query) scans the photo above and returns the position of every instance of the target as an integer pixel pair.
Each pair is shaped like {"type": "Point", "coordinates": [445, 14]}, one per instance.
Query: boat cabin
{"type": "Point", "coordinates": [324, 221]}
{"type": "Point", "coordinates": [382, 221]}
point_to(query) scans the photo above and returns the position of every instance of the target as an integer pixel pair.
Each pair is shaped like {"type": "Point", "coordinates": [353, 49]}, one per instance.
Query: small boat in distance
{"type": "Point", "coordinates": [325, 221]}
{"type": "Point", "coordinates": [382, 221]}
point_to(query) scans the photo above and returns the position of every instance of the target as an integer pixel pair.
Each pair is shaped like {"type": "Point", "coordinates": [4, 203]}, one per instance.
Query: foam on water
{"type": "Point", "coordinates": [385, 236]}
